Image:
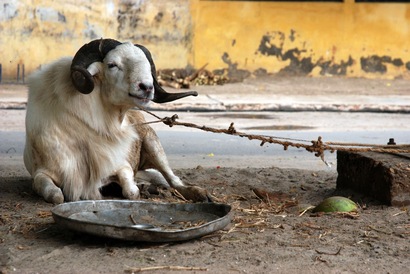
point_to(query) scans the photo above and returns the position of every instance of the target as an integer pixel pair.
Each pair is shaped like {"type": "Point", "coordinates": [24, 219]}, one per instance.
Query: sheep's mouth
{"type": "Point", "coordinates": [143, 99]}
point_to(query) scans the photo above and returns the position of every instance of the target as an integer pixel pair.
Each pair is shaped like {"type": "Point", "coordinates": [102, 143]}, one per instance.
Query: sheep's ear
{"type": "Point", "coordinates": [160, 95]}
{"type": "Point", "coordinates": [95, 68]}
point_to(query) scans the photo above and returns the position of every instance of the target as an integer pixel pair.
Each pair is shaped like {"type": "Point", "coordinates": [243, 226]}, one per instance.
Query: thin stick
{"type": "Point", "coordinates": [179, 195]}
{"type": "Point", "coordinates": [304, 211]}
{"type": "Point", "coordinates": [328, 253]}
{"type": "Point", "coordinates": [196, 73]}
{"type": "Point", "coordinates": [165, 267]}
{"type": "Point", "coordinates": [133, 220]}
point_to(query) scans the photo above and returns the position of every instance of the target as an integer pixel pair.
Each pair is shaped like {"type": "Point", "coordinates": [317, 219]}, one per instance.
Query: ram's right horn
{"type": "Point", "coordinates": [160, 95]}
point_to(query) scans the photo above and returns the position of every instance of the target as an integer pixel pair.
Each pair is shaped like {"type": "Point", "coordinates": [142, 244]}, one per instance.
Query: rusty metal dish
{"type": "Point", "coordinates": [143, 221]}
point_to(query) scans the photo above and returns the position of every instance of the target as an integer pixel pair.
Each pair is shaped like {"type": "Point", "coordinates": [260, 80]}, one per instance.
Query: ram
{"type": "Point", "coordinates": [82, 131]}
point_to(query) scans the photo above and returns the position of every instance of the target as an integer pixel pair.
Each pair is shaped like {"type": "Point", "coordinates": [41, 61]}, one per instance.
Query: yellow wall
{"type": "Point", "coordinates": [316, 38]}
{"type": "Point", "coordinates": [35, 32]}
{"type": "Point", "coordinates": [336, 37]}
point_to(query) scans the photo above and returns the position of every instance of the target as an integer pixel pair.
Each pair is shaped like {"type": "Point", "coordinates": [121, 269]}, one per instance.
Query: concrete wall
{"type": "Point", "coordinates": [34, 32]}
{"type": "Point", "coordinates": [308, 38]}
{"type": "Point", "coordinates": [243, 37]}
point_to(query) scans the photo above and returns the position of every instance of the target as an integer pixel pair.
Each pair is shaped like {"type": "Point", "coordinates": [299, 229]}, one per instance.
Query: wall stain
{"type": "Point", "coordinates": [328, 67]}
{"type": "Point", "coordinates": [272, 44]}
{"type": "Point", "coordinates": [292, 35]}
{"type": "Point", "coordinates": [9, 11]}
{"type": "Point", "coordinates": [158, 17]}
{"type": "Point", "coordinates": [234, 74]}
{"type": "Point", "coordinates": [375, 63]}
{"type": "Point", "coordinates": [129, 17]}
{"type": "Point", "coordinates": [135, 22]}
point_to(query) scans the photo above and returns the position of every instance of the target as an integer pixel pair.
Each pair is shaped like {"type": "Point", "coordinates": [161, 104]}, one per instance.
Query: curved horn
{"type": "Point", "coordinates": [161, 96]}
{"type": "Point", "coordinates": [85, 56]}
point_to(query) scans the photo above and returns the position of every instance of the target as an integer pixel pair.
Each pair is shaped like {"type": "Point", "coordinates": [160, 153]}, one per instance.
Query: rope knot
{"type": "Point", "coordinates": [317, 146]}
{"type": "Point", "coordinates": [231, 129]}
{"type": "Point", "coordinates": [170, 121]}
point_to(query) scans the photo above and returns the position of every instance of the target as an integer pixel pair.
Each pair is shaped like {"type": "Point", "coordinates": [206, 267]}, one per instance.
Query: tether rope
{"type": "Point", "coordinates": [315, 146]}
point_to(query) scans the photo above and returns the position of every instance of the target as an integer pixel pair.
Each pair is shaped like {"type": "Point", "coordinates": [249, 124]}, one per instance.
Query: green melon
{"type": "Point", "coordinates": [336, 204]}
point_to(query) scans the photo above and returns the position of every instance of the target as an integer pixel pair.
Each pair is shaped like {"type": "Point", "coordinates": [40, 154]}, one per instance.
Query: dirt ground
{"type": "Point", "coordinates": [263, 237]}
{"type": "Point", "coordinates": [272, 236]}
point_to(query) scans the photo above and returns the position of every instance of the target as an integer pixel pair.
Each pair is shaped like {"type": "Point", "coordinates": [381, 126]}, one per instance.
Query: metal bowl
{"type": "Point", "coordinates": [141, 220]}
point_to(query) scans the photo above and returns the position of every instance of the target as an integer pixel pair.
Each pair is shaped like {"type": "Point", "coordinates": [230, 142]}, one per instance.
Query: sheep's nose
{"type": "Point", "coordinates": [146, 87]}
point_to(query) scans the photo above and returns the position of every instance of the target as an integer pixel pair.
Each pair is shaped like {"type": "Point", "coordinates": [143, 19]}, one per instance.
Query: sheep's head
{"type": "Point", "coordinates": [129, 67]}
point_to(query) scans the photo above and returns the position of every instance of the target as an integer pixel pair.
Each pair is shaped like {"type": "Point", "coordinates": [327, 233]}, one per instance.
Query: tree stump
{"type": "Point", "coordinates": [383, 176]}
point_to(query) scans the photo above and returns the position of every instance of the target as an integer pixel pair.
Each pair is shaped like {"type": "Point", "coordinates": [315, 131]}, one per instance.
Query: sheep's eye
{"type": "Point", "coordinates": [112, 65]}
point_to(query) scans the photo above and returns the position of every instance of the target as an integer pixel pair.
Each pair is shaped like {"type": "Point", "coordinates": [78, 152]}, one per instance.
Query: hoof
{"type": "Point", "coordinates": [194, 193]}
{"type": "Point", "coordinates": [54, 196]}
{"type": "Point", "coordinates": [132, 193]}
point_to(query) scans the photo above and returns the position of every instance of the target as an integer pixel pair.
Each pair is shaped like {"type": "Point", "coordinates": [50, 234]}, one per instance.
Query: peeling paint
{"type": "Point", "coordinates": [298, 64]}
{"type": "Point", "coordinates": [8, 10]}
{"type": "Point", "coordinates": [267, 46]}
{"type": "Point", "coordinates": [141, 22]}
{"type": "Point", "coordinates": [129, 16]}
{"type": "Point", "coordinates": [298, 38]}
{"type": "Point", "coordinates": [301, 63]}
{"type": "Point", "coordinates": [46, 14]}
{"type": "Point", "coordinates": [234, 74]}
{"type": "Point", "coordinates": [159, 16]}
{"type": "Point", "coordinates": [376, 63]}
{"type": "Point", "coordinates": [91, 31]}
{"type": "Point", "coordinates": [292, 35]}
{"type": "Point", "coordinates": [330, 68]}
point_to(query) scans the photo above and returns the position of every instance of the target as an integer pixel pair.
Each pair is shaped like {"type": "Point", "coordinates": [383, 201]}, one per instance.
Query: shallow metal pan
{"type": "Point", "coordinates": [141, 220]}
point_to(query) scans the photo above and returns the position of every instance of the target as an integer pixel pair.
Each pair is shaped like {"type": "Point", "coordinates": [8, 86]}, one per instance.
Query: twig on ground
{"type": "Point", "coordinates": [328, 253]}
{"type": "Point", "coordinates": [179, 195]}
{"type": "Point", "coordinates": [165, 267]}
{"type": "Point", "coordinates": [305, 210]}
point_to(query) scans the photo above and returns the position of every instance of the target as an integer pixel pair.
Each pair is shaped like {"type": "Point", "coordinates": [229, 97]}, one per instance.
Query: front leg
{"type": "Point", "coordinates": [126, 182]}
{"type": "Point", "coordinates": [153, 155]}
{"type": "Point", "coordinates": [44, 186]}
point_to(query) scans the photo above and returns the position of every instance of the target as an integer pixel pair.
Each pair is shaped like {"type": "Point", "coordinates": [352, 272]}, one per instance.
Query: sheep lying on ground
{"type": "Point", "coordinates": [81, 133]}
